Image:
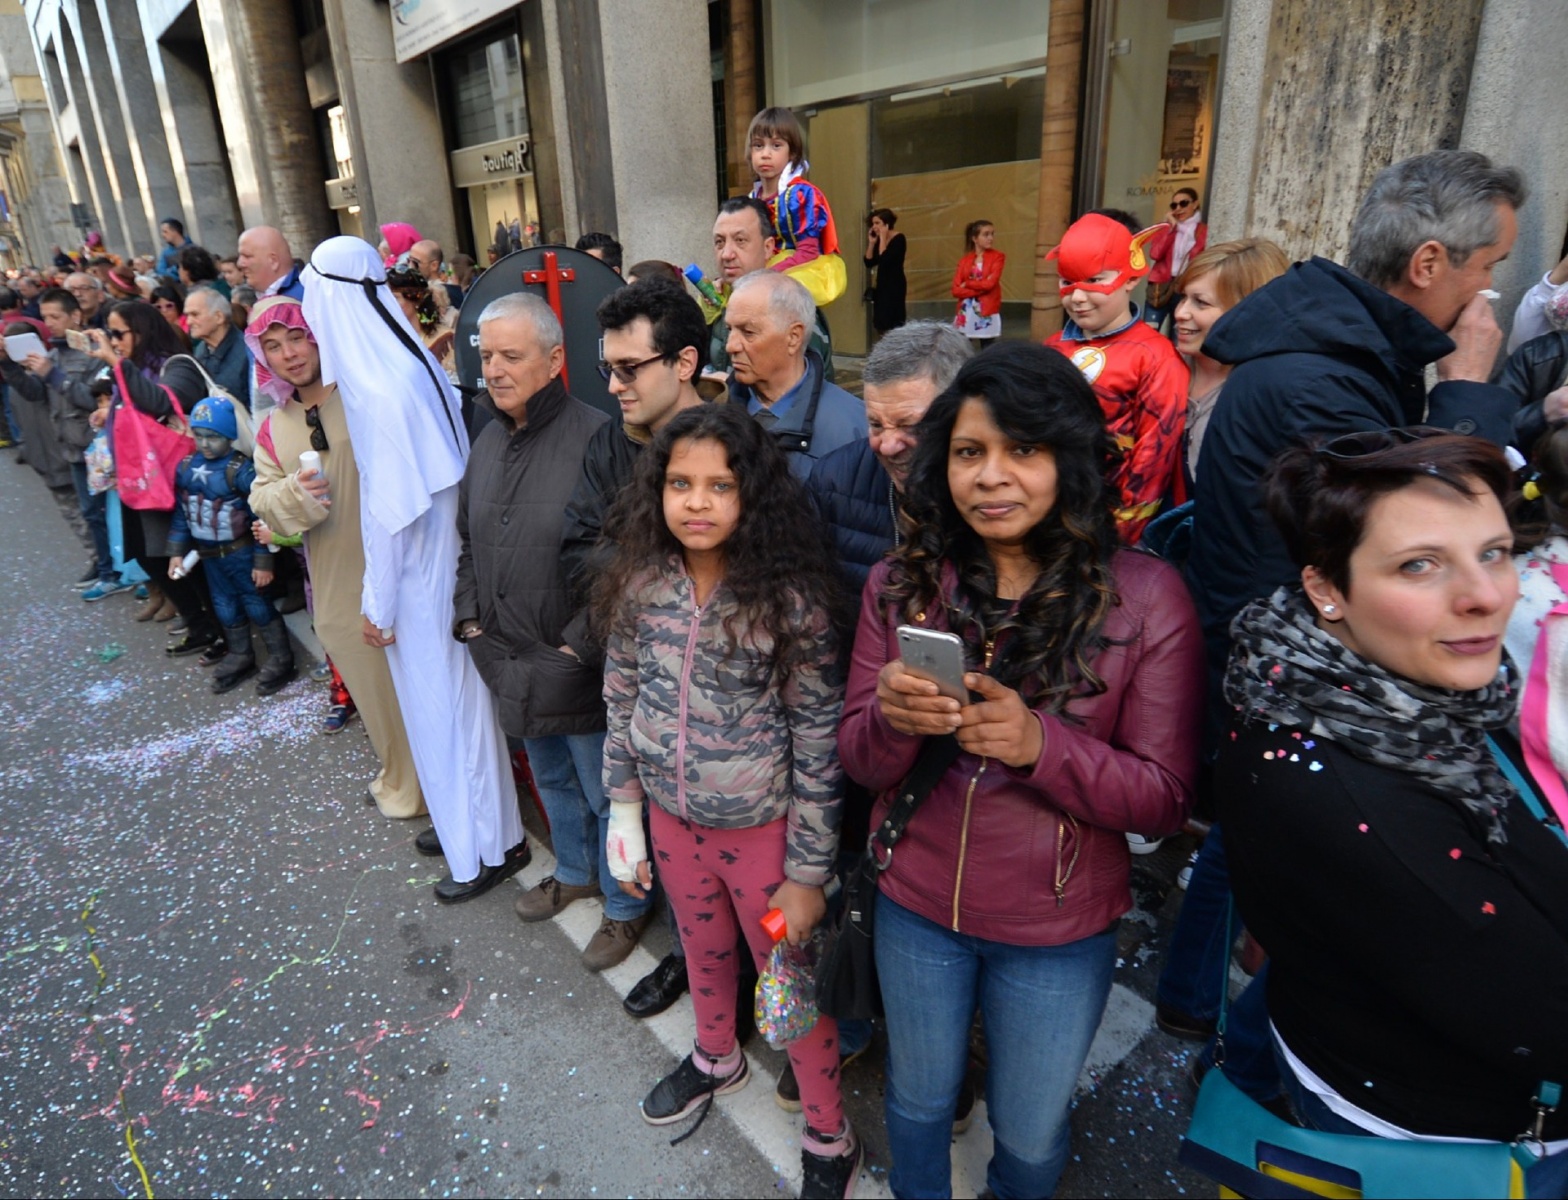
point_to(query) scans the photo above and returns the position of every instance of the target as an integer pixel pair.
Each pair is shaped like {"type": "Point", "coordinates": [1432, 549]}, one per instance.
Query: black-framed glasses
{"type": "Point", "coordinates": [1180, 203]}
{"type": "Point", "coordinates": [116, 334]}
{"type": "Point", "coordinates": [1350, 446]}
{"type": "Point", "coordinates": [318, 435]}
{"type": "Point", "coordinates": [627, 374]}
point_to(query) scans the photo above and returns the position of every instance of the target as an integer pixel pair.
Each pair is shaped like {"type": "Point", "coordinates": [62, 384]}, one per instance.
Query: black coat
{"type": "Point", "coordinates": [607, 468]}
{"type": "Point", "coordinates": [509, 573]}
{"type": "Point", "coordinates": [856, 499]}
{"type": "Point", "coordinates": [1536, 368]}
{"type": "Point", "coordinates": [1317, 352]}
{"type": "Point", "coordinates": [1417, 969]}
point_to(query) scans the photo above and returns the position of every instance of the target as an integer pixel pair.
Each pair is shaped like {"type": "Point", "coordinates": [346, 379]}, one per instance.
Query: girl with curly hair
{"type": "Point", "coordinates": [1085, 674]}
{"type": "Point", "coordinates": [724, 699]}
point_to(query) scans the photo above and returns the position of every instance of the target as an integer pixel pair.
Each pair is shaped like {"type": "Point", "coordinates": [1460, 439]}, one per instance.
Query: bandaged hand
{"type": "Point", "coordinates": [626, 846]}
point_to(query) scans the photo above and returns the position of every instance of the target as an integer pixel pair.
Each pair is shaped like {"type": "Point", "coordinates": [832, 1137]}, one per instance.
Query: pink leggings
{"type": "Point", "coordinates": [701, 869]}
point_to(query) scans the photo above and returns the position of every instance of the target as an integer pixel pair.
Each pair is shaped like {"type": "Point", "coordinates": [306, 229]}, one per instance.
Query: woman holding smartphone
{"type": "Point", "coordinates": [1085, 669]}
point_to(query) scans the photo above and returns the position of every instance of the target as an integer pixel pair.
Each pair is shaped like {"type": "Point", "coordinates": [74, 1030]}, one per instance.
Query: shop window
{"type": "Point", "coordinates": [486, 91]}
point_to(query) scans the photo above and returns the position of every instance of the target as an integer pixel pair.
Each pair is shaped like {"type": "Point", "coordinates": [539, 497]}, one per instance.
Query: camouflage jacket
{"type": "Point", "coordinates": [720, 738]}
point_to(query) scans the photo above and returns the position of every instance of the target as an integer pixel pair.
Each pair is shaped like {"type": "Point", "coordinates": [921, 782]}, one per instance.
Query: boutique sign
{"type": "Point", "coordinates": [491, 162]}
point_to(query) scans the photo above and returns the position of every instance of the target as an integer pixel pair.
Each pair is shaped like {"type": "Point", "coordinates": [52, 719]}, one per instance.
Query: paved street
{"type": "Point", "coordinates": [224, 974]}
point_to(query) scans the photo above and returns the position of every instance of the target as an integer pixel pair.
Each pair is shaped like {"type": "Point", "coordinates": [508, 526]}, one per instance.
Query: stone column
{"type": "Point", "coordinates": [400, 162]}
{"type": "Point", "coordinates": [659, 101]}
{"type": "Point", "coordinates": [274, 150]}
{"type": "Point", "coordinates": [101, 187]}
{"type": "Point", "coordinates": [202, 174]}
{"type": "Point", "coordinates": [1058, 152]}
{"type": "Point", "coordinates": [1345, 90]}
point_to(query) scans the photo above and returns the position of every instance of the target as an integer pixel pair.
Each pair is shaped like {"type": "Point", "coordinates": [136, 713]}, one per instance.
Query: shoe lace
{"type": "Point", "coordinates": [710, 1085]}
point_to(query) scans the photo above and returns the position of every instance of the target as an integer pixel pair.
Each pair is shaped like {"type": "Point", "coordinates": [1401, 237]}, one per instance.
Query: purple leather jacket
{"type": "Point", "coordinates": [1035, 856]}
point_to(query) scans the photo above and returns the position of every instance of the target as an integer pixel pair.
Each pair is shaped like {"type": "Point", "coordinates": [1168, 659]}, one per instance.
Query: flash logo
{"type": "Point", "coordinates": [1090, 361]}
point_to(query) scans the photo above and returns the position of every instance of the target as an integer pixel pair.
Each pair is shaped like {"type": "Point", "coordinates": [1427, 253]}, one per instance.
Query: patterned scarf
{"type": "Point", "coordinates": [1284, 669]}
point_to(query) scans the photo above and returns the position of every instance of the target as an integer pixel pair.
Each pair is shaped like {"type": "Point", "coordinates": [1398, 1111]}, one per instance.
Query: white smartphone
{"type": "Point", "coordinates": [77, 340]}
{"type": "Point", "coordinates": [936, 656]}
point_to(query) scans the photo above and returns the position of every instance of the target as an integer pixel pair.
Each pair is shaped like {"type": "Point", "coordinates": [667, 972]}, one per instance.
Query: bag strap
{"type": "Point", "coordinates": [1526, 789]}
{"type": "Point", "coordinates": [936, 756]}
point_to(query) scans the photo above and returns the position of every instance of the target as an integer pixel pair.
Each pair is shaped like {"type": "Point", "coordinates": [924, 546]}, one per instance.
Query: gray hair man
{"type": "Point", "coordinates": [858, 487]}
{"type": "Point", "coordinates": [90, 297]}
{"type": "Point", "coordinates": [217, 345]}
{"type": "Point", "coordinates": [778, 378]}
{"type": "Point", "coordinates": [521, 472]}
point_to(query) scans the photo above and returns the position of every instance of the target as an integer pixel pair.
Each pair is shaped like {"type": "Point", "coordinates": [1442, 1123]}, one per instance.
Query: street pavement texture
{"type": "Point", "coordinates": [222, 972]}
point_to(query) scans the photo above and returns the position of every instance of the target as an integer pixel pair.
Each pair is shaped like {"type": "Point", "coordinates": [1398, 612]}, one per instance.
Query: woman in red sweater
{"type": "Point", "coordinates": [977, 284]}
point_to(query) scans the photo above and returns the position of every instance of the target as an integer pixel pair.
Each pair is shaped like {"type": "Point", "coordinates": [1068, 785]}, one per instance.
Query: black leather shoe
{"type": "Point", "coordinates": [658, 989]}
{"type": "Point", "coordinates": [427, 843]}
{"type": "Point", "coordinates": [190, 643]}
{"type": "Point", "coordinates": [449, 891]}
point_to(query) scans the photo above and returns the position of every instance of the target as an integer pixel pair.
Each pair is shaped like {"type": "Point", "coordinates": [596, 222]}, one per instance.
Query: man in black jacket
{"type": "Point", "coordinates": [856, 487]}
{"type": "Point", "coordinates": [512, 604]}
{"type": "Point", "coordinates": [1325, 350]}
{"type": "Point", "coordinates": [1322, 351]}
{"type": "Point", "coordinates": [655, 347]}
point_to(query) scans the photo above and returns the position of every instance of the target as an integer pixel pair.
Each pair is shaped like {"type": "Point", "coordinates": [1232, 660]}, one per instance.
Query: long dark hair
{"type": "Point", "coordinates": [777, 563]}
{"type": "Point", "coordinates": [156, 340]}
{"type": "Point", "coordinates": [1036, 397]}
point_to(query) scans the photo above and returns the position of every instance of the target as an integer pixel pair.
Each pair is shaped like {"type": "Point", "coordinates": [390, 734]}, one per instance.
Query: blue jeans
{"type": "Point", "coordinates": [1041, 1006]}
{"type": "Point", "coordinates": [1197, 965]}
{"type": "Point", "coordinates": [569, 773]}
{"type": "Point", "coordinates": [234, 595]}
{"type": "Point", "coordinates": [95, 511]}
{"type": "Point", "coordinates": [11, 426]}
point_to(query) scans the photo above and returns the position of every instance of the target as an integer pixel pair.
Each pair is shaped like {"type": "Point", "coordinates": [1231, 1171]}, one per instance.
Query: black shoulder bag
{"type": "Point", "coordinates": [847, 977]}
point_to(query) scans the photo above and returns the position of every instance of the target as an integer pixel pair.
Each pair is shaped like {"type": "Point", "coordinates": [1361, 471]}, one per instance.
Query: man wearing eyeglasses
{"type": "Point", "coordinates": [90, 298]}
{"type": "Point", "coordinates": [1170, 250]}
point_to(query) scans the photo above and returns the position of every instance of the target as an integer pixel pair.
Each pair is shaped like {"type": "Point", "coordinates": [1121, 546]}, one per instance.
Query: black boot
{"type": "Point", "coordinates": [280, 658]}
{"type": "Point", "coordinates": [239, 664]}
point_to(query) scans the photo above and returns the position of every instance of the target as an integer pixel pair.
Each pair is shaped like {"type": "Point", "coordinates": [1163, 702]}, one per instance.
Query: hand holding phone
{"type": "Point", "coordinates": [936, 656]}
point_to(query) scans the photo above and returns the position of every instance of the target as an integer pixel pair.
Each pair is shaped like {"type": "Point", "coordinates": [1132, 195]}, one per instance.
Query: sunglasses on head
{"type": "Point", "coordinates": [1351, 446]}
{"type": "Point", "coordinates": [318, 435]}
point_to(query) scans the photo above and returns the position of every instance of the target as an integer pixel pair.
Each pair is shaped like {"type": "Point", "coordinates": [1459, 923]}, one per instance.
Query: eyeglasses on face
{"type": "Point", "coordinates": [318, 435]}
{"type": "Point", "coordinates": [116, 334]}
{"type": "Point", "coordinates": [627, 374]}
{"type": "Point", "coordinates": [1182, 203]}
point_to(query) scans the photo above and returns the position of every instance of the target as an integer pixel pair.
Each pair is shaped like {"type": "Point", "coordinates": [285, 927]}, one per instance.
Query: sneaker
{"type": "Point", "coordinates": [829, 1168]}
{"type": "Point", "coordinates": [191, 643]}
{"type": "Point", "coordinates": [1183, 1025]}
{"type": "Point", "coordinates": [550, 896]}
{"type": "Point", "coordinates": [1184, 876]}
{"type": "Point", "coordinates": [337, 717]}
{"type": "Point", "coordinates": [612, 942]}
{"type": "Point", "coordinates": [213, 654]}
{"type": "Point", "coordinates": [177, 623]}
{"type": "Point", "coordinates": [321, 672]}
{"type": "Point", "coordinates": [1139, 844]}
{"type": "Point", "coordinates": [105, 587]}
{"type": "Point", "coordinates": [787, 1094]}
{"type": "Point", "coordinates": [686, 1089]}
{"type": "Point", "coordinates": [141, 592]}
{"type": "Point", "coordinates": [89, 577]}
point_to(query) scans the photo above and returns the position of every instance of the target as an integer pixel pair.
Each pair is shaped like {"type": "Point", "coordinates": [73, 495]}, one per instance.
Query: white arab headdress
{"type": "Point", "coordinates": [403, 417]}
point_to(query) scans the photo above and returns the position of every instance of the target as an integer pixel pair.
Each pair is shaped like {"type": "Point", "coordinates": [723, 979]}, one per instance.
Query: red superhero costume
{"type": "Point", "coordinates": [1139, 379]}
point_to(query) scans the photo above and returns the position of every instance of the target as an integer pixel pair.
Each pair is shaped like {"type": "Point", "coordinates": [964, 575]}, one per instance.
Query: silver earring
{"type": "Point", "coordinates": [1329, 608]}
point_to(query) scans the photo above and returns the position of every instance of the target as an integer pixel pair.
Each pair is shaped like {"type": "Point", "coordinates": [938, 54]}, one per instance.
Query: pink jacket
{"type": "Point", "coordinates": [1036, 856]}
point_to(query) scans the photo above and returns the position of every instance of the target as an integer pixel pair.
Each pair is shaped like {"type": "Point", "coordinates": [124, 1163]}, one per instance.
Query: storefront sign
{"type": "Point", "coordinates": [422, 25]}
{"type": "Point", "coordinates": [341, 193]}
{"type": "Point", "coordinates": [491, 162]}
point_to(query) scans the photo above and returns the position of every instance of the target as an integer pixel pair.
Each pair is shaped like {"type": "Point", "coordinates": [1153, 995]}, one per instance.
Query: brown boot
{"type": "Point", "coordinates": [167, 612]}
{"type": "Point", "coordinates": [151, 605]}
{"type": "Point", "coordinates": [613, 943]}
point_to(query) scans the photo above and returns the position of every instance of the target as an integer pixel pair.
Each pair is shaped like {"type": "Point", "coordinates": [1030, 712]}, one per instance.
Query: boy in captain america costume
{"type": "Point", "coordinates": [212, 510]}
{"type": "Point", "coordinates": [1139, 379]}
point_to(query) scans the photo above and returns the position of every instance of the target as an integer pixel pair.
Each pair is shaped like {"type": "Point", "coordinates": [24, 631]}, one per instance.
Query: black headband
{"type": "Point", "coordinates": [402, 335]}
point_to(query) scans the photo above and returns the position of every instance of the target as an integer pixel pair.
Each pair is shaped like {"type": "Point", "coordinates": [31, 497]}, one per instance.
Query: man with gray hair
{"type": "Point", "coordinates": [858, 487]}
{"type": "Point", "coordinates": [778, 378]}
{"type": "Point", "coordinates": [513, 603]}
{"type": "Point", "coordinates": [90, 297]}
{"type": "Point", "coordinates": [216, 344]}
{"type": "Point", "coordinates": [1321, 352]}
{"type": "Point", "coordinates": [1326, 350]}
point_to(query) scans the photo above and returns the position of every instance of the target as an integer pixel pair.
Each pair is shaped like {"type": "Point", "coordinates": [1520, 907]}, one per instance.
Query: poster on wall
{"type": "Point", "coordinates": [422, 25]}
{"type": "Point", "coordinates": [1184, 141]}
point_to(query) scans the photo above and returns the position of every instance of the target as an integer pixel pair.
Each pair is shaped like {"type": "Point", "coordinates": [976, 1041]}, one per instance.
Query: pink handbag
{"type": "Point", "coordinates": [147, 451]}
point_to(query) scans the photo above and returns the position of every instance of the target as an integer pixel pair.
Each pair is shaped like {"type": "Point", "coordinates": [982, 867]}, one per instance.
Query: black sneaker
{"type": "Point", "coordinates": [686, 1089]}
{"type": "Point", "coordinates": [191, 643]}
{"type": "Point", "coordinates": [830, 1174]}
{"type": "Point", "coordinates": [88, 579]}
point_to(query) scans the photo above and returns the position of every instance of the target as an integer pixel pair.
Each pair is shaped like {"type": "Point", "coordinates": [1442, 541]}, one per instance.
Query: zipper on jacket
{"type": "Point", "coordinates": [680, 732]}
{"type": "Point", "coordinates": [969, 796]}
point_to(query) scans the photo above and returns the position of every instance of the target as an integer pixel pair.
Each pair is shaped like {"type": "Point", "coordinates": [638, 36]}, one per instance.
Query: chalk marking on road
{"type": "Point", "coordinates": [774, 1133]}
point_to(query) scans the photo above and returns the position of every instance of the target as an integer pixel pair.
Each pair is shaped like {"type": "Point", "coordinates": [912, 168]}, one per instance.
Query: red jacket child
{"type": "Point", "coordinates": [1140, 380]}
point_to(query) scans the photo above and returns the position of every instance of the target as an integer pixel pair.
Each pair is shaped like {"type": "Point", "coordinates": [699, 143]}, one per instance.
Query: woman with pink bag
{"type": "Point", "coordinates": [149, 399]}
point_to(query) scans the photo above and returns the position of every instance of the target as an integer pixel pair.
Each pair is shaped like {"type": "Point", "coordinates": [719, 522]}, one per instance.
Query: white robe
{"type": "Point", "coordinates": [459, 749]}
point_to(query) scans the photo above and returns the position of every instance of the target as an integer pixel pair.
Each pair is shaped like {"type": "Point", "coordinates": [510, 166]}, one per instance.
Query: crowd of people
{"type": "Point", "coordinates": [1260, 572]}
